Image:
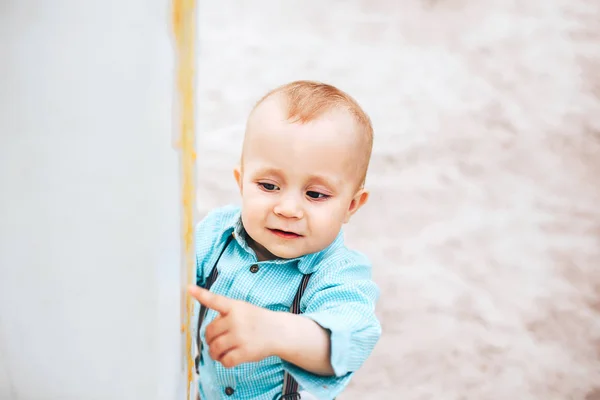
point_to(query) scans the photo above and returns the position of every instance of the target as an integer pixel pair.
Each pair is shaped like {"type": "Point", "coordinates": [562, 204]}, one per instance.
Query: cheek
{"type": "Point", "coordinates": [327, 217]}
{"type": "Point", "coordinates": [255, 202]}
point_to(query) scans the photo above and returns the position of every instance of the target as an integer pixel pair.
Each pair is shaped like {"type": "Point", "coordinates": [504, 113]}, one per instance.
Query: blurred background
{"type": "Point", "coordinates": [484, 220]}
{"type": "Point", "coordinates": [483, 224]}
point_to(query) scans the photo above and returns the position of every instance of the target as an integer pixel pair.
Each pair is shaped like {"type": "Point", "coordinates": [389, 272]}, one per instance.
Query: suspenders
{"type": "Point", "coordinates": [290, 386]}
{"type": "Point", "coordinates": [209, 281]}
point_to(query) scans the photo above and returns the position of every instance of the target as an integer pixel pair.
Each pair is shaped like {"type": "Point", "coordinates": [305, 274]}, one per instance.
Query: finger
{"type": "Point", "coordinates": [233, 357]}
{"type": "Point", "coordinates": [221, 346]}
{"type": "Point", "coordinates": [220, 304]}
{"type": "Point", "coordinates": [216, 328]}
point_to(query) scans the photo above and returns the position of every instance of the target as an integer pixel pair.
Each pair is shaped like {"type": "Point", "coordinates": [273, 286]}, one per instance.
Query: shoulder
{"type": "Point", "coordinates": [211, 228]}
{"type": "Point", "coordinates": [220, 217]}
{"type": "Point", "coordinates": [343, 275]}
{"type": "Point", "coordinates": [342, 293]}
{"type": "Point", "coordinates": [343, 263]}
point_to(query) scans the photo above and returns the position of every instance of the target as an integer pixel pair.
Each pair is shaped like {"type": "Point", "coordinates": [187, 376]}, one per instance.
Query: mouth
{"type": "Point", "coordinates": [285, 234]}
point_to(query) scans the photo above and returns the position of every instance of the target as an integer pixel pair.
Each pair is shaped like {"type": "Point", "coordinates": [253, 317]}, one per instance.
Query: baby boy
{"type": "Point", "coordinates": [285, 306]}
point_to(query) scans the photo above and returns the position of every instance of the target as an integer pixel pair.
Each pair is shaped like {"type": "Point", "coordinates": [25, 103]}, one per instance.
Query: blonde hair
{"type": "Point", "coordinates": [308, 100]}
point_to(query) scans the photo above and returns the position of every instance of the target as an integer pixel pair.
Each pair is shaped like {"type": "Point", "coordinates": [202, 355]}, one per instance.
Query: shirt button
{"type": "Point", "coordinates": [254, 269]}
{"type": "Point", "coordinates": [229, 391]}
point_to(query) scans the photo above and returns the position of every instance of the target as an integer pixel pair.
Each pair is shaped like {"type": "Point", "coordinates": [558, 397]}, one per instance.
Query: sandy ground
{"type": "Point", "coordinates": [484, 224]}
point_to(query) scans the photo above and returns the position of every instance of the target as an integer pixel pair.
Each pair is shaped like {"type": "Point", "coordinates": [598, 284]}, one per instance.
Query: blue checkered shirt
{"type": "Point", "coordinates": [340, 296]}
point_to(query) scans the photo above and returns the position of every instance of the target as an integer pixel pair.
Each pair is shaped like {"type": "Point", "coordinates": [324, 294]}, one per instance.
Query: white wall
{"type": "Point", "coordinates": [89, 202]}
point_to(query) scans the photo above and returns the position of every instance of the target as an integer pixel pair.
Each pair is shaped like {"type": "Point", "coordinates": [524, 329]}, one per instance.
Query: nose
{"type": "Point", "coordinates": [289, 207]}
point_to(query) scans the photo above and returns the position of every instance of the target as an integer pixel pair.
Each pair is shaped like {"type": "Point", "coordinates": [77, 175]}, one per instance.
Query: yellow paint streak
{"type": "Point", "coordinates": [184, 26]}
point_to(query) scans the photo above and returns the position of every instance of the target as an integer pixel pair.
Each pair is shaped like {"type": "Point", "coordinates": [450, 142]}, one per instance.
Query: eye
{"type": "Point", "coordinates": [316, 195]}
{"type": "Point", "coordinates": [269, 187]}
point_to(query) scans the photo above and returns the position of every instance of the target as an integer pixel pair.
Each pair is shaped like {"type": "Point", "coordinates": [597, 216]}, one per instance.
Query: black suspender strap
{"type": "Point", "coordinates": [209, 282]}
{"type": "Point", "coordinates": [290, 386]}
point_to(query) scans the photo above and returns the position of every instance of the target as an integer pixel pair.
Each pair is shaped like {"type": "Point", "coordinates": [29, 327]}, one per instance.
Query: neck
{"type": "Point", "coordinates": [262, 254]}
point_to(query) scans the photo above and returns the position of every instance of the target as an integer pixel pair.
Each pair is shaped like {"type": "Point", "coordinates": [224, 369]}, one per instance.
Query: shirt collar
{"type": "Point", "coordinates": [306, 264]}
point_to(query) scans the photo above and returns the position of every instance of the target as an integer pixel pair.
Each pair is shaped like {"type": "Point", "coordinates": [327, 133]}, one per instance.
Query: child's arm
{"type": "Point", "coordinates": [304, 343]}
{"type": "Point", "coordinates": [243, 332]}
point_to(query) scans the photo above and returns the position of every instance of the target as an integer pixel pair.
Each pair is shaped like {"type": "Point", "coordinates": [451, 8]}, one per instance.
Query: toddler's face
{"type": "Point", "coordinates": [299, 183]}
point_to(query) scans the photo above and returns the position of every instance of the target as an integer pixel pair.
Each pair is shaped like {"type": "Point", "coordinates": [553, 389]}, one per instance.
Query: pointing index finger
{"type": "Point", "coordinates": [220, 304]}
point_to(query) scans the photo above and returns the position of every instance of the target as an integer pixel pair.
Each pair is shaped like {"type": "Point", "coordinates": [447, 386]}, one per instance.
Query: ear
{"type": "Point", "coordinates": [237, 174]}
{"type": "Point", "coordinates": [359, 200]}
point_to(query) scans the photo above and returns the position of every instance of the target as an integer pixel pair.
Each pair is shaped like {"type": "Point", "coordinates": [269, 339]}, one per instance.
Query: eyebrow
{"type": "Point", "coordinates": [330, 183]}
{"type": "Point", "coordinates": [270, 171]}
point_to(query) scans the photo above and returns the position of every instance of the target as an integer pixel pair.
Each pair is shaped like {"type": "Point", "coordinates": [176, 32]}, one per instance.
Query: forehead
{"type": "Point", "coordinates": [326, 146]}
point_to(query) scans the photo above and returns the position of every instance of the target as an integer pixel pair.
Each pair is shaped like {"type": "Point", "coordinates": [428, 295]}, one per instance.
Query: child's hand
{"type": "Point", "coordinates": [242, 332]}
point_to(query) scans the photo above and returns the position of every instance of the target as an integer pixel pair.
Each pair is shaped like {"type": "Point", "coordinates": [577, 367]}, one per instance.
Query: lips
{"type": "Point", "coordinates": [285, 234]}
